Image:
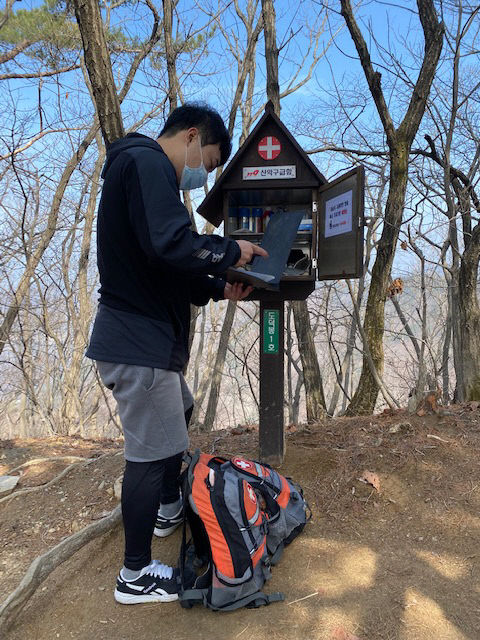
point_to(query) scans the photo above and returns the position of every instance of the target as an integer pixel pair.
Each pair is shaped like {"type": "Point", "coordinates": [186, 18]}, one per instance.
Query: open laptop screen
{"type": "Point", "coordinates": [277, 240]}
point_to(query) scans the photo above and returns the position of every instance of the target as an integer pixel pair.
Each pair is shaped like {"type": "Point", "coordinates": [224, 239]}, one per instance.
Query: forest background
{"type": "Point", "coordinates": [393, 86]}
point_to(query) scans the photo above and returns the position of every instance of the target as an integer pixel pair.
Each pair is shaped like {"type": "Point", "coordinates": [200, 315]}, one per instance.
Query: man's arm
{"type": "Point", "coordinates": [162, 223]}
{"type": "Point", "coordinates": [205, 288]}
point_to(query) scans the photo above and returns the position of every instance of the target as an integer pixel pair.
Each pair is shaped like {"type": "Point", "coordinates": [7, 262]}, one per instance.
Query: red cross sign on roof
{"type": "Point", "coordinates": [269, 147]}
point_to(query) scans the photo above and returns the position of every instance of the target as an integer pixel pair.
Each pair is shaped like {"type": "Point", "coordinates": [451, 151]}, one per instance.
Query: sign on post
{"type": "Point", "coordinates": [270, 331]}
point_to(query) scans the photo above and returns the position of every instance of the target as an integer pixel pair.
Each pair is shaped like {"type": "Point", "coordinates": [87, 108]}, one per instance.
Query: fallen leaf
{"type": "Point", "coordinates": [421, 412]}
{"type": "Point", "coordinates": [340, 633]}
{"type": "Point", "coordinates": [473, 405]}
{"type": "Point", "coordinates": [431, 400]}
{"type": "Point", "coordinates": [371, 478]}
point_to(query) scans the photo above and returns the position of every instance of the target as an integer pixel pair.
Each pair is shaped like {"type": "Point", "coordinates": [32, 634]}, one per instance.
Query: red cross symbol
{"type": "Point", "coordinates": [269, 147]}
{"type": "Point", "coordinates": [243, 464]}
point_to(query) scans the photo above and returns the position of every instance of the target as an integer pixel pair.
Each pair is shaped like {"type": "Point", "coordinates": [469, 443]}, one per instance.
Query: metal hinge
{"type": "Point", "coordinates": [314, 207]}
{"type": "Point", "coordinates": [314, 263]}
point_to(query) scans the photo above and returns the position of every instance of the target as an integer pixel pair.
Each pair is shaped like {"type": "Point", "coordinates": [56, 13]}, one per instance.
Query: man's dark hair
{"type": "Point", "coordinates": [209, 123]}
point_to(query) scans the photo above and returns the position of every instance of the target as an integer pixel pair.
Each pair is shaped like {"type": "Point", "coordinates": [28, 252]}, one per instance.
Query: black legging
{"type": "Point", "coordinates": [145, 486]}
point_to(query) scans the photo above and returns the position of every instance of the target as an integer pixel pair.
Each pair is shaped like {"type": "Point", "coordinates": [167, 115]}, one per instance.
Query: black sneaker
{"type": "Point", "coordinates": [156, 583]}
{"type": "Point", "coordinates": [165, 526]}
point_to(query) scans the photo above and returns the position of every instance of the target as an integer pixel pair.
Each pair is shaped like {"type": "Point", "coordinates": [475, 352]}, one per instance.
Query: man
{"type": "Point", "coordinates": [152, 266]}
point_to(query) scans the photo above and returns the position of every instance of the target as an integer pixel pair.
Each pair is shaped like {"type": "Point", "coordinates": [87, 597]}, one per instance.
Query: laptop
{"type": "Point", "coordinates": [278, 238]}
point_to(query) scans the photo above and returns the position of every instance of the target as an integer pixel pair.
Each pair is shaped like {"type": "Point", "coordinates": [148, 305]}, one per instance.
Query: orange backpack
{"type": "Point", "coordinates": [241, 514]}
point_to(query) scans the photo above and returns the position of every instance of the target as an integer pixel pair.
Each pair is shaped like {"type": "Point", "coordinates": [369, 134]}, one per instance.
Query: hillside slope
{"type": "Point", "coordinates": [398, 563]}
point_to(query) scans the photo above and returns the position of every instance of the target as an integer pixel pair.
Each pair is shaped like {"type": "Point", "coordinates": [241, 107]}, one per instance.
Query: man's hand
{"type": "Point", "coordinates": [249, 250]}
{"type": "Point", "coordinates": [236, 291]}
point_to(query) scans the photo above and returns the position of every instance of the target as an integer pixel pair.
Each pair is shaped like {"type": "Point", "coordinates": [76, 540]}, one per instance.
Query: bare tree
{"type": "Point", "coordinates": [245, 63]}
{"type": "Point", "coordinates": [454, 150]}
{"type": "Point", "coordinates": [399, 140]}
{"type": "Point", "coordinates": [312, 379]}
{"type": "Point", "coordinates": [108, 128]}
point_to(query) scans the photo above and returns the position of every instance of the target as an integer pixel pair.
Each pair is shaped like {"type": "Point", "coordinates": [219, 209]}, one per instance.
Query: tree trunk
{"type": "Point", "coordinates": [201, 342]}
{"type": "Point", "coordinates": [202, 389]}
{"type": "Point", "coordinates": [365, 397]}
{"type": "Point", "coordinates": [315, 399]}
{"type": "Point", "coordinates": [343, 375]}
{"type": "Point", "coordinates": [289, 345]}
{"type": "Point", "coordinates": [311, 371]}
{"type": "Point", "coordinates": [296, 399]}
{"type": "Point", "coordinates": [446, 354]}
{"type": "Point", "coordinates": [346, 370]}
{"type": "Point", "coordinates": [218, 367]}
{"type": "Point", "coordinates": [170, 53]}
{"type": "Point", "coordinates": [73, 411]}
{"type": "Point", "coordinates": [97, 60]}
{"type": "Point", "coordinates": [469, 313]}
{"type": "Point", "coordinates": [271, 54]}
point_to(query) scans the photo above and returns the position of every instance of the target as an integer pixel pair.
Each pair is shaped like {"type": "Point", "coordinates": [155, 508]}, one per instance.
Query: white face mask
{"type": "Point", "coordinates": [193, 177]}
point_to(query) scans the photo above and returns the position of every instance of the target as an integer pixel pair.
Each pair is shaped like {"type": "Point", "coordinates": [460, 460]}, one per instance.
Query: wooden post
{"type": "Point", "coordinates": [271, 431]}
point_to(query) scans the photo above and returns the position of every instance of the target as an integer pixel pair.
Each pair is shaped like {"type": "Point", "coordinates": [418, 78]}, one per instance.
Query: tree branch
{"type": "Point", "coordinates": [433, 32]}
{"type": "Point", "coordinates": [21, 46]}
{"type": "Point", "coordinates": [373, 77]}
{"type": "Point", "coordinates": [40, 74]}
{"type": "Point", "coordinates": [34, 139]}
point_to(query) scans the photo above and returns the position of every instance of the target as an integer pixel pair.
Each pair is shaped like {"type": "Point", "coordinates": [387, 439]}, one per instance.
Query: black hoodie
{"type": "Point", "coordinates": [152, 265]}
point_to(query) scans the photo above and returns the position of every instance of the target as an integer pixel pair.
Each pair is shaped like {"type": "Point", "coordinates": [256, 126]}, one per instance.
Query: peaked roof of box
{"type": "Point", "coordinates": [211, 207]}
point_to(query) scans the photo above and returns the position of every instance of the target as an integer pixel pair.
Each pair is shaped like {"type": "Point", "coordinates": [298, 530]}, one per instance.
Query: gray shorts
{"type": "Point", "coordinates": [151, 405]}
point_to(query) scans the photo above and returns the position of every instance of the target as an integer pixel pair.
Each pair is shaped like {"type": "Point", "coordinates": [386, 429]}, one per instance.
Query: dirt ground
{"type": "Point", "coordinates": [397, 562]}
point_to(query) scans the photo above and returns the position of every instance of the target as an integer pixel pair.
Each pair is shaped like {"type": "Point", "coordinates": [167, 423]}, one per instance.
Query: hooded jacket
{"type": "Point", "coordinates": [152, 265]}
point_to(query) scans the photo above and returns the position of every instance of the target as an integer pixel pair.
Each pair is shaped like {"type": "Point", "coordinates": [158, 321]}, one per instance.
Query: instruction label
{"type": "Point", "coordinates": [338, 214]}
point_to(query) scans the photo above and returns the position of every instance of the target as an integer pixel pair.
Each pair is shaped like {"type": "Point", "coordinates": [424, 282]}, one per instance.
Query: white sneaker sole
{"type": "Point", "coordinates": [163, 533]}
{"type": "Point", "coordinates": [126, 598]}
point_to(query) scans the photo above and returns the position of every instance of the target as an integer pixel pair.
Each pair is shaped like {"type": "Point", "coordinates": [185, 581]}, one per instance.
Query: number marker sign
{"type": "Point", "coordinates": [271, 322]}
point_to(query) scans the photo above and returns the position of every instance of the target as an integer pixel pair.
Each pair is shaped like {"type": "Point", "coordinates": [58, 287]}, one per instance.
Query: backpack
{"type": "Point", "coordinates": [241, 515]}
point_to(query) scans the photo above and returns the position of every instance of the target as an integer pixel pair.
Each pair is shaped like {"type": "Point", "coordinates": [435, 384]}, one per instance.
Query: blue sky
{"type": "Point", "coordinates": [388, 22]}
{"type": "Point", "coordinates": [392, 26]}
